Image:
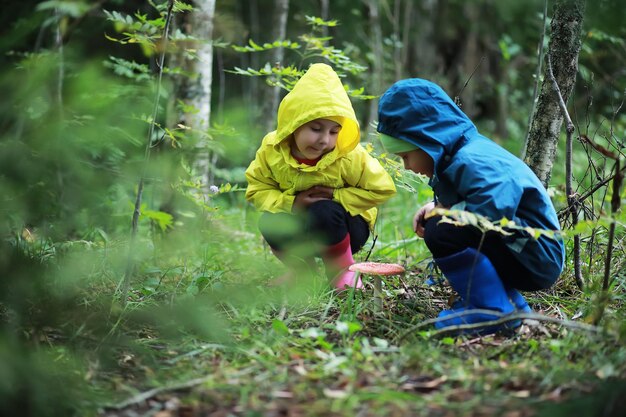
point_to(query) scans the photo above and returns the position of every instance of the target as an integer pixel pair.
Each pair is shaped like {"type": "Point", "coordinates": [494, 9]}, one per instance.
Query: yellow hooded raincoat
{"type": "Point", "coordinates": [275, 177]}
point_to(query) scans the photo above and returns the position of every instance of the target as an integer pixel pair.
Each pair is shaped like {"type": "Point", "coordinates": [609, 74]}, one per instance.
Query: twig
{"type": "Point", "coordinates": [615, 206]}
{"type": "Point", "coordinates": [503, 318]}
{"type": "Point", "coordinates": [572, 201]}
{"type": "Point", "coordinates": [195, 352]}
{"type": "Point", "coordinates": [457, 98]}
{"type": "Point", "coordinates": [592, 191]}
{"type": "Point", "coordinates": [143, 396]}
{"type": "Point", "coordinates": [137, 210]}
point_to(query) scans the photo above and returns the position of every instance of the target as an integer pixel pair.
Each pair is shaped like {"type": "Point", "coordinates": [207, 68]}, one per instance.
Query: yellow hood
{"type": "Point", "coordinates": [319, 94]}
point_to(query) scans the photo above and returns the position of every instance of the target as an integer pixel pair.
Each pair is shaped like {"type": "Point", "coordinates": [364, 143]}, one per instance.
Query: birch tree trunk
{"type": "Point", "coordinates": [279, 32]}
{"type": "Point", "coordinates": [564, 47]}
{"type": "Point", "coordinates": [195, 92]}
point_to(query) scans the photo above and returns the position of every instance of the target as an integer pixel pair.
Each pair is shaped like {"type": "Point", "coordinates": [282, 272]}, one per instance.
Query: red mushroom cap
{"type": "Point", "coordinates": [377, 268]}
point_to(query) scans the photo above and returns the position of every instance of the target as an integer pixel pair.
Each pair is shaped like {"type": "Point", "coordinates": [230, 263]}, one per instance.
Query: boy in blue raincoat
{"type": "Point", "coordinates": [419, 122]}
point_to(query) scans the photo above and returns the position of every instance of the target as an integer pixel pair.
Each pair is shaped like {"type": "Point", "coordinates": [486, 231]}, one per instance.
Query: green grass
{"type": "Point", "coordinates": [303, 350]}
{"type": "Point", "coordinates": [204, 333]}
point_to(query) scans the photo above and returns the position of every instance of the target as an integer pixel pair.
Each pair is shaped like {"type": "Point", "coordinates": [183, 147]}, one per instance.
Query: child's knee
{"type": "Point", "coordinates": [327, 212]}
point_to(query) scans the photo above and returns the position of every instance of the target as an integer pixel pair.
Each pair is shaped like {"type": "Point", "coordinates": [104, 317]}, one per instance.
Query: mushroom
{"type": "Point", "coordinates": [377, 269]}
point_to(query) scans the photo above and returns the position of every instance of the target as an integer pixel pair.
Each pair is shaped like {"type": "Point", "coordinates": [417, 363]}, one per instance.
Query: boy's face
{"type": "Point", "coordinates": [315, 138]}
{"type": "Point", "coordinates": [418, 161]}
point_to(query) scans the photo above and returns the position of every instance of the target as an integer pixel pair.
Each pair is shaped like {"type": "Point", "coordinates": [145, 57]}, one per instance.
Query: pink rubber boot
{"type": "Point", "coordinates": [337, 258]}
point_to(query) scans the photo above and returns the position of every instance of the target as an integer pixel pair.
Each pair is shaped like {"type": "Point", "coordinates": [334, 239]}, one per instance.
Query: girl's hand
{"type": "Point", "coordinates": [312, 195]}
{"type": "Point", "coordinates": [419, 220]}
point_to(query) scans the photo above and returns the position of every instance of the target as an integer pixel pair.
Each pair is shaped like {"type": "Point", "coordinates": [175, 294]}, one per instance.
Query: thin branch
{"type": "Point", "coordinates": [457, 98]}
{"type": "Point", "coordinates": [61, 73]}
{"type": "Point", "coordinates": [137, 210]}
{"type": "Point", "coordinates": [615, 206]}
{"type": "Point", "coordinates": [591, 191]}
{"type": "Point", "coordinates": [143, 396]}
{"type": "Point", "coordinates": [502, 319]}
{"type": "Point", "coordinates": [571, 198]}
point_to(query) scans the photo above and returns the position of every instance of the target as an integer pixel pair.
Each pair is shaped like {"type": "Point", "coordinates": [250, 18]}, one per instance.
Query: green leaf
{"type": "Point", "coordinates": [448, 341]}
{"type": "Point", "coordinates": [280, 328]}
{"type": "Point", "coordinates": [162, 219]}
{"type": "Point", "coordinates": [180, 6]}
{"type": "Point", "coordinates": [66, 8]}
{"type": "Point", "coordinates": [313, 333]}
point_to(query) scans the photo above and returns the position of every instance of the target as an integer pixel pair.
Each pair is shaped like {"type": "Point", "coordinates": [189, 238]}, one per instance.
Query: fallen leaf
{"type": "Point", "coordinates": [282, 394]}
{"type": "Point", "coordinates": [335, 393]}
{"type": "Point", "coordinates": [424, 383]}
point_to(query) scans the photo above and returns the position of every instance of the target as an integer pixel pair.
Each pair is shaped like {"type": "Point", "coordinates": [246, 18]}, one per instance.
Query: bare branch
{"type": "Point", "coordinates": [502, 319]}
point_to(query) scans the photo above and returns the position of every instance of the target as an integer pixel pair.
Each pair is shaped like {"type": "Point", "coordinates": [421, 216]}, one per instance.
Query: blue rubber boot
{"type": "Point", "coordinates": [518, 300]}
{"type": "Point", "coordinates": [474, 278]}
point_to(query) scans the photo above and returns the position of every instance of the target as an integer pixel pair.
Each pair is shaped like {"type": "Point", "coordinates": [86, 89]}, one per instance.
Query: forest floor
{"type": "Point", "coordinates": [318, 354]}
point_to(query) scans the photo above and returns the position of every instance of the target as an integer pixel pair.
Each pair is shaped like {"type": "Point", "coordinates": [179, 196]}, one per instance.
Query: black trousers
{"type": "Point", "coordinates": [323, 223]}
{"type": "Point", "coordinates": [444, 239]}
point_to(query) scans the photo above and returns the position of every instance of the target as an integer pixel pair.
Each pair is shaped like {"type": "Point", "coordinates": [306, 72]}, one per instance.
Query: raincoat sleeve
{"type": "Point", "coordinates": [263, 191]}
{"type": "Point", "coordinates": [367, 183]}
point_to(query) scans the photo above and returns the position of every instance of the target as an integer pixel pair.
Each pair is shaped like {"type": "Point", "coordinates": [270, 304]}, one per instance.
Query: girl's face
{"type": "Point", "coordinates": [418, 161]}
{"type": "Point", "coordinates": [315, 138]}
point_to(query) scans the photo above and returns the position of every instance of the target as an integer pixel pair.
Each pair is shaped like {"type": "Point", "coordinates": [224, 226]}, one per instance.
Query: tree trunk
{"type": "Point", "coordinates": [376, 37]}
{"type": "Point", "coordinates": [471, 60]}
{"type": "Point", "coordinates": [202, 26]}
{"type": "Point", "coordinates": [195, 91]}
{"type": "Point", "coordinates": [564, 47]}
{"type": "Point", "coordinates": [394, 17]}
{"type": "Point", "coordinates": [324, 13]}
{"type": "Point", "coordinates": [420, 26]}
{"type": "Point", "coordinates": [279, 32]}
{"type": "Point", "coordinates": [406, 30]}
{"type": "Point", "coordinates": [253, 98]}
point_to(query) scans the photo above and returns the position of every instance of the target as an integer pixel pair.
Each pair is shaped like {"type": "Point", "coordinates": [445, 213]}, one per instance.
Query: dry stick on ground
{"type": "Point", "coordinates": [571, 198]}
{"type": "Point", "coordinates": [130, 266]}
{"type": "Point", "coordinates": [146, 395]}
{"type": "Point", "coordinates": [503, 319]}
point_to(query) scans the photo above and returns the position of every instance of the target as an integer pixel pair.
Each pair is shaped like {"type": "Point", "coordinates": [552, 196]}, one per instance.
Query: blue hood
{"type": "Point", "coordinates": [420, 112]}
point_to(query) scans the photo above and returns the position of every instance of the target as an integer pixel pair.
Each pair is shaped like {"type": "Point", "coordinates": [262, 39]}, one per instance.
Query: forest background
{"type": "Point", "coordinates": [133, 280]}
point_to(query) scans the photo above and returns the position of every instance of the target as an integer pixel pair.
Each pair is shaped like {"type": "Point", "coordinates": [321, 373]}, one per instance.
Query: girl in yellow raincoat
{"type": "Point", "coordinates": [315, 184]}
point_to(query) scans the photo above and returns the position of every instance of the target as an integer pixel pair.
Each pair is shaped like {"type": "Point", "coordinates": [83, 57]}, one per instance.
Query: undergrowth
{"type": "Point", "coordinates": [301, 349]}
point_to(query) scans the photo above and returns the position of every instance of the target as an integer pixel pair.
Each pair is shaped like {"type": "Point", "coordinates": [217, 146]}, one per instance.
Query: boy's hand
{"type": "Point", "coordinates": [419, 220]}
{"type": "Point", "coordinates": [312, 195]}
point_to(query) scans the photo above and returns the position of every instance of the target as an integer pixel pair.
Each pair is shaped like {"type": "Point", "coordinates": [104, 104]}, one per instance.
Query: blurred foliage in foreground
{"type": "Point", "coordinates": [68, 170]}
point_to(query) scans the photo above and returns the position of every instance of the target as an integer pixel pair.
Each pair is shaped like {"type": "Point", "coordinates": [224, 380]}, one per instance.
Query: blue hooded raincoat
{"type": "Point", "coordinates": [472, 172]}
